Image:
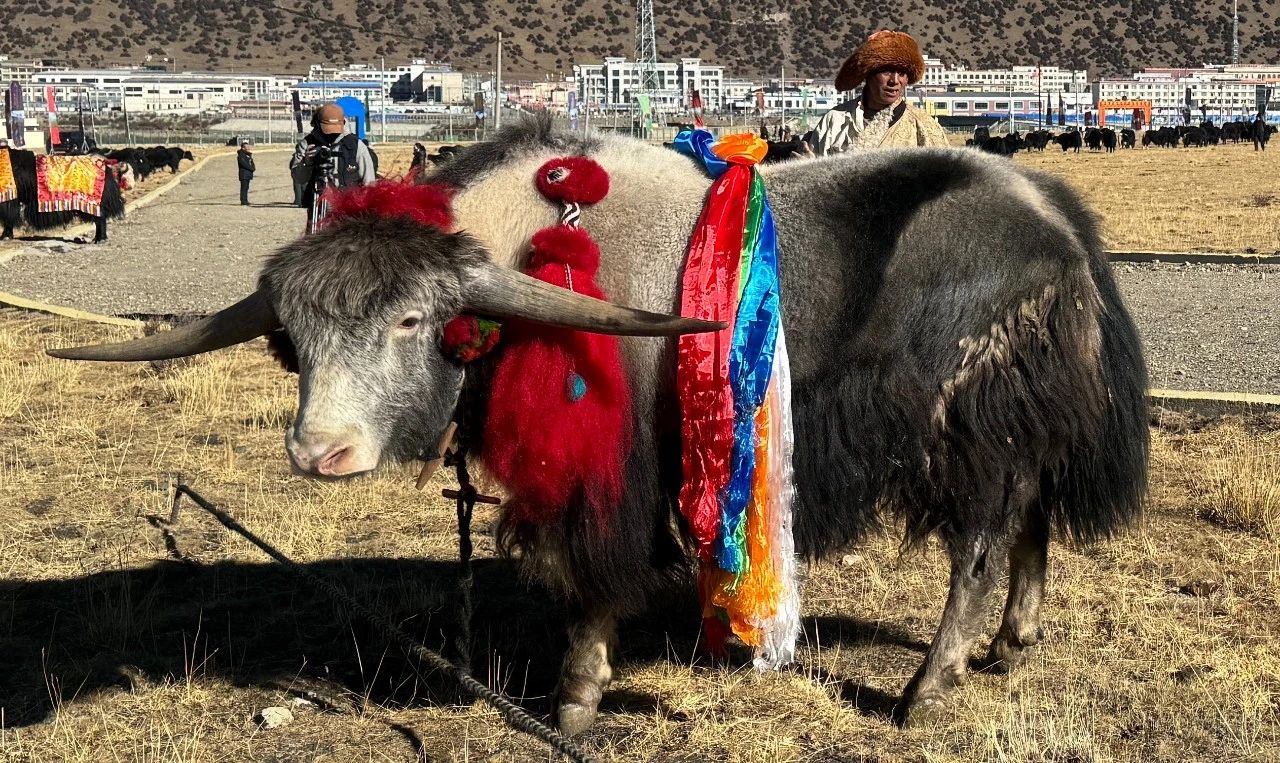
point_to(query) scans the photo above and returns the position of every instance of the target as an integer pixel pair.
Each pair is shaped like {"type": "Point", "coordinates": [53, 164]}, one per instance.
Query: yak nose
{"type": "Point", "coordinates": [328, 454]}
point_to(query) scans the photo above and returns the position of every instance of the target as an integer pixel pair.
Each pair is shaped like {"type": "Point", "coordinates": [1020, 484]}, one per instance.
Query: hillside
{"type": "Point", "coordinates": [810, 38]}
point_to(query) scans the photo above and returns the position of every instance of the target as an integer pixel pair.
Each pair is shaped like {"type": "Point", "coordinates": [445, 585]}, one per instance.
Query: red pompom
{"type": "Point", "coordinates": [565, 245]}
{"type": "Point", "coordinates": [428, 204]}
{"type": "Point", "coordinates": [573, 179]}
{"type": "Point", "coordinates": [461, 330]}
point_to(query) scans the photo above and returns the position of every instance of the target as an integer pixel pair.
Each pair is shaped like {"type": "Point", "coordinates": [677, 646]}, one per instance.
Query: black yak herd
{"type": "Point", "coordinates": [123, 167]}
{"type": "Point", "coordinates": [1108, 140]}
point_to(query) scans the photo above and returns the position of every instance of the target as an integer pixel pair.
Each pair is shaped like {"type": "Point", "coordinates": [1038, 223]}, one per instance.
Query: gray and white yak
{"type": "Point", "coordinates": [961, 362]}
{"type": "Point", "coordinates": [25, 208]}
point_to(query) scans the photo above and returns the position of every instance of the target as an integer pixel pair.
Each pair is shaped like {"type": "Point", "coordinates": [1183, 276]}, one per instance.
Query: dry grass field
{"type": "Point", "coordinates": [1224, 198]}
{"type": "Point", "coordinates": [122, 641]}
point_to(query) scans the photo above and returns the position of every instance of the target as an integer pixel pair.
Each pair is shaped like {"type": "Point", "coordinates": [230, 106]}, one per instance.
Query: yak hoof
{"type": "Point", "coordinates": [920, 711]}
{"type": "Point", "coordinates": [1009, 650]}
{"type": "Point", "coordinates": [574, 719]}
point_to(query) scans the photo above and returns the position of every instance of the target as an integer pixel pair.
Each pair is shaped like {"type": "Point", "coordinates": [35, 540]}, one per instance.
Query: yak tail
{"type": "Point", "coordinates": [1102, 487]}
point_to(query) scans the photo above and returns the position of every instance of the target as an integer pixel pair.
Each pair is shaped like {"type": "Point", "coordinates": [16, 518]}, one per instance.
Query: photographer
{"type": "Point", "coordinates": [327, 156]}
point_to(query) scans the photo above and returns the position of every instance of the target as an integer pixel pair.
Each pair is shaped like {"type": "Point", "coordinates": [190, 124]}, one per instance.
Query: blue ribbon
{"type": "Point", "coordinates": [697, 144]}
{"type": "Point", "coordinates": [755, 335]}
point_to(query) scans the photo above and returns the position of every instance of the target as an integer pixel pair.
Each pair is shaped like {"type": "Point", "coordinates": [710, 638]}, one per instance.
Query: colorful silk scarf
{"type": "Point", "coordinates": [65, 183]}
{"type": "Point", "coordinates": [734, 390]}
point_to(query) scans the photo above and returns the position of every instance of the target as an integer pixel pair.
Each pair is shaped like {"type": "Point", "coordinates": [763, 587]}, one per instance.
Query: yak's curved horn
{"type": "Point", "coordinates": [505, 293]}
{"type": "Point", "coordinates": [247, 319]}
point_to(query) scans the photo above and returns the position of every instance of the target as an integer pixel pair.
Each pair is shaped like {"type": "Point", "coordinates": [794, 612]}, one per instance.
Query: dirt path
{"type": "Point", "coordinates": [190, 250]}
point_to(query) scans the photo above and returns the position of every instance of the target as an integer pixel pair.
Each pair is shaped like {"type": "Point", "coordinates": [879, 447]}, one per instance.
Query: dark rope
{"type": "Point", "coordinates": [515, 716]}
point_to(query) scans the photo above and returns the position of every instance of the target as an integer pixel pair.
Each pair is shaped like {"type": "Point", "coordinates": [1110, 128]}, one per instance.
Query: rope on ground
{"type": "Point", "coordinates": [516, 717]}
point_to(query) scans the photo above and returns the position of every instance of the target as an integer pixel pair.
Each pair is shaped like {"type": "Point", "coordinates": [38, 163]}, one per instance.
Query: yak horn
{"type": "Point", "coordinates": [505, 293]}
{"type": "Point", "coordinates": [247, 319]}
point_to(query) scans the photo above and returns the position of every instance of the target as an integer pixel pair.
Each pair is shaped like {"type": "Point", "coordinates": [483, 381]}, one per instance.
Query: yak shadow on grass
{"type": "Point", "coordinates": [256, 625]}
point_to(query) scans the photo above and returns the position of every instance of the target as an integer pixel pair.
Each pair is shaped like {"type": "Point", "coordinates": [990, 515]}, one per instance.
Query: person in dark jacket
{"type": "Point", "coordinates": [244, 161]}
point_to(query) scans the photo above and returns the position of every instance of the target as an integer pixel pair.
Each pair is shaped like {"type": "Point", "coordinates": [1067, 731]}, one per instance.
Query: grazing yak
{"type": "Point", "coordinates": [1069, 140]}
{"type": "Point", "coordinates": [1128, 138]}
{"type": "Point", "coordinates": [26, 209]}
{"type": "Point", "coordinates": [167, 156]}
{"type": "Point", "coordinates": [961, 362]}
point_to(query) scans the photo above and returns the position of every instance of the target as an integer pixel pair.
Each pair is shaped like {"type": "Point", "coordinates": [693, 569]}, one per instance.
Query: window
{"type": "Point", "coordinates": [1002, 105]}
{"type": "Point", "coordinates": [981, 105]}
{"type": "Point", "coordinates": [961, 105]}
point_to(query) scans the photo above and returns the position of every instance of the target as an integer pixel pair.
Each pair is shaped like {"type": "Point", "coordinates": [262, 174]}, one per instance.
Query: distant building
{"type": "Point", "coordinates": [149, 90]}
{"type": "Point", "coordinates": [984, 107]}
{"type": "Point", "coordinates": [1222, 92]}
{"type": "Point", "coordinates": [20, 71]}
{"type": "Point", "coordinates": [800, 98]}
{"type": "Point", "coordinates": [418, 80]}
{"type": "Point", "coordinates": [940, 78]}
{"type": "Point", "coordinates": [616, 83]}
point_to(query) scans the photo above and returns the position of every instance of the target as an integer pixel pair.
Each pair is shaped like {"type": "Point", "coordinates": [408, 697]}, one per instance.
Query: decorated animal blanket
{"type": "Point", "coordinates": [8, 183]}
{"type": "Point", "coordinates": [66, 183]}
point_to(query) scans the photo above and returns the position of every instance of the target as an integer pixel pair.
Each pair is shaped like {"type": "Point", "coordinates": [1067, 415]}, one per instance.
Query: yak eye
{"type": "Point", "coordinates": [410, 321]}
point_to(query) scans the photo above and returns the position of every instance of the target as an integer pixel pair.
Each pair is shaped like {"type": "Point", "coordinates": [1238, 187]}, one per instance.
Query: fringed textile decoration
{"type": "Point", "coordinates": [734, 390]}
{"type": "Point", "coordinates": [559, 415]}
{"type": "Point", "coordinates": [8, 183]}
{"type": "Point", "coordinates": [65, 183]}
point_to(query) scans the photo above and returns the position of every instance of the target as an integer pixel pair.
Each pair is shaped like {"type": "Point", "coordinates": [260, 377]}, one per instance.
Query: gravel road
{"type": "Point", "coordinates": [193, 249]}
{"type": "Point", "coordinates": [1206, 327]}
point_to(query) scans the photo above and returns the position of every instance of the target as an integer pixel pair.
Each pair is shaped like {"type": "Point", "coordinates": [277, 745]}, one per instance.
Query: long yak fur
{"type": "Point", "coordinates": [954, 330]}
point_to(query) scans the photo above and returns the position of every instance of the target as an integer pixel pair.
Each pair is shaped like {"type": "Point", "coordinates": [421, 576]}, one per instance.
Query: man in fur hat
{"type": "Point", "coordinates": [880, 117]}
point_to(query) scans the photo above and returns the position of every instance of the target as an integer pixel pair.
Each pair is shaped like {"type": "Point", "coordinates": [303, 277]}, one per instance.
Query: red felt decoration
{"type": "Point", "coordinates": [573, 180]}
{"type": "Point", "coordinates": [426, 203]}
{"type": "Point", "coordinates": [559, 417]}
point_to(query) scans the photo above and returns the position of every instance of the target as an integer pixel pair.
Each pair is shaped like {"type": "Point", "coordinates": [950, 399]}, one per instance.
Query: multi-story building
{"type": "Point", "coordinates": [158, 91]}
{"type": "Point", "coordinates": [616, 83]}
{"type": "Point", "coordinates": [1033, 79]}
{"type": "Point", "coordinates": [418, 80]}
{"type": "Point", "coordinates": [20, 71]}
{"type": "Point", "coordinates": [1213, 92]}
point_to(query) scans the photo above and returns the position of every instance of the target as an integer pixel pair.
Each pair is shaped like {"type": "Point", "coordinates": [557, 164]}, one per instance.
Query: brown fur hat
{"type": "Point", "coordinates": [881, 50]}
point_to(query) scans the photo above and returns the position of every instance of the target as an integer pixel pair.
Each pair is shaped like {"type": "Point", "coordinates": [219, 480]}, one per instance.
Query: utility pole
{"type": "Point", "coordinates": [268, 115]}
{"type": "Point", "coordinates": [782, 83]}
{"type": "Point", "coordinates": [382, 75]}
{"type": "Point", "coordinates": [497, 90]}
{"type": "Point", "coordinates": [124, 107]}
{"type": "Point", "coordinates": [1235, 32]}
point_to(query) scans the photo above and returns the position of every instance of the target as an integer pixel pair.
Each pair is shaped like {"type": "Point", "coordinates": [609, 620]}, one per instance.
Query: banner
{"type": "Point", "coordinates": [51, 107]}
{"type": "Point", "coordinates": [760, 100]}
{"type": "Point", "coordinates": [297, 111]}
{"type": "Point", "coordinates": [573, 110]}
{"type": "Point", "coordinates": [17, 117]}
{"type": "Point", "coordinates": [695, 104]}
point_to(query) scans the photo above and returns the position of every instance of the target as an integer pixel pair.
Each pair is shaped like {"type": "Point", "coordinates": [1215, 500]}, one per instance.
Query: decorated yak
{"type": "Point", "coordinates": [49, 192]}
{"type": "Point", "coordinates": [957, 358]}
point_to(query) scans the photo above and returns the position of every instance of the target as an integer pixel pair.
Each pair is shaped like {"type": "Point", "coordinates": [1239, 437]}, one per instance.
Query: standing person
{"type": "Point", "coordinates": [244, 161]}
{"type": "Point", "coordinates": [1260, 133]}
{"type": "Point", "coordinates": [880, 117]}
{"type": "Point", "coordinates": [328, 156]}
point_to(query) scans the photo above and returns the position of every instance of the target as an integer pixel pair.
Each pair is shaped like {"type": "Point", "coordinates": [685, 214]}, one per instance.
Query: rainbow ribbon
{"type": "Point", "coordinates": [734, 389]}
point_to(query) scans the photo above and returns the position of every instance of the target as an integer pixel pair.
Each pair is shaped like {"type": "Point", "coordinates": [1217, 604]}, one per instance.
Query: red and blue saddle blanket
{"type": "Point", "coordinates": [735, 394]}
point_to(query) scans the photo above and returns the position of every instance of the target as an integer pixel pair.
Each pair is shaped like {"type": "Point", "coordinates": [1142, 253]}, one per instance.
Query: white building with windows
{"type": "Point", "coordinates": [20, 71]}
{"type": "Point", "coordinates": [938, 77]}
{"type": "Point", "coordinates": [418, 80]}
{"type": "Point", "coordinates": [162, 92]}
{"type": "Point", "coordinates": [1216, 92]}
{"type": "Point", "coordinates": [616, 83]}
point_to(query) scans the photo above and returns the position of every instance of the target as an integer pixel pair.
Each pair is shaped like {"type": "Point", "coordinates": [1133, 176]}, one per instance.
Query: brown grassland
{"type": "Point", "coordinates": [123, 640]}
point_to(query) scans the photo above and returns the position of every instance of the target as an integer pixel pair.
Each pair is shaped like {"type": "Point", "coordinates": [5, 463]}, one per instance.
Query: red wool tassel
{"type": "Point", "coordinates": [559, 413]}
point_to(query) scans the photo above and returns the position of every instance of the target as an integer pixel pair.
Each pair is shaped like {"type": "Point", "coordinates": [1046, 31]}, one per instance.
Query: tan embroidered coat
{"type": "Point", "coordinates": [838, 132]}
